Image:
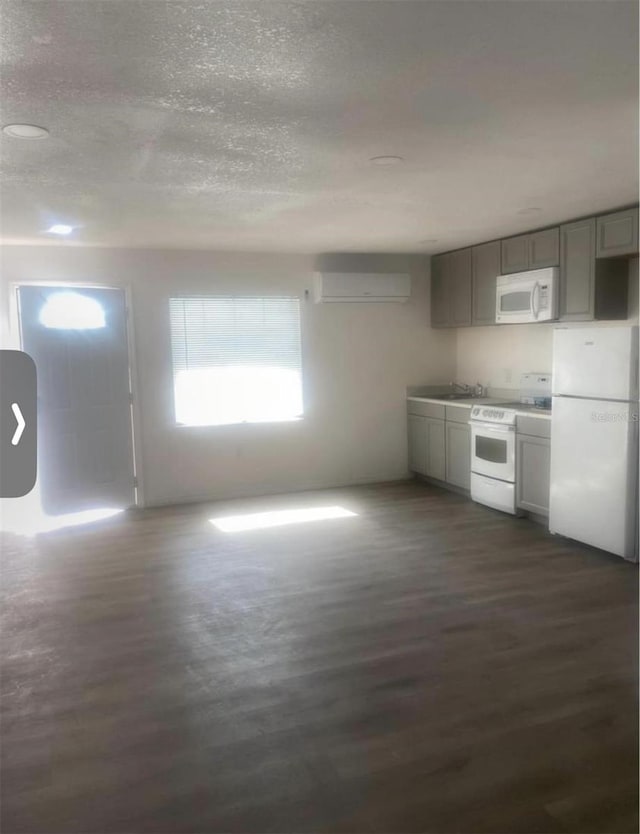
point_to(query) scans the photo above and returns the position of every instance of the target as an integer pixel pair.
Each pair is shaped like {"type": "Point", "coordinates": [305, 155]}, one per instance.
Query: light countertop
{"type": "Point", "coordinates": [541, 414]}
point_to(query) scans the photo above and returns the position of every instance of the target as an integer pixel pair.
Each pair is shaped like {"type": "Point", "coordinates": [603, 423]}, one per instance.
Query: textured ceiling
{"type": "Point", "coordinates": [249, 125]}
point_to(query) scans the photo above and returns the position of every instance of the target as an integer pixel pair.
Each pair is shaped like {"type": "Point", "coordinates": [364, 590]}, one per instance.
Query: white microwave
{"type": "Point", "coordinates": [527, 296]}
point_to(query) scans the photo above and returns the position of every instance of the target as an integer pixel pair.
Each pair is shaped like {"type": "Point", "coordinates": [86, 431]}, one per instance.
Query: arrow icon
{"type": "Point", "coordinates": [21, 424]}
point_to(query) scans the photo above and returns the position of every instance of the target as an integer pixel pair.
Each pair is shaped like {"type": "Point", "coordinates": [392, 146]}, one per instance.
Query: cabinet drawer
{"type": "Point", "coordinates": [425, 409]}
{"type": "Point", "coordinates": [457, 414]}
{"type": "Point", "coordinates": [534, 426]}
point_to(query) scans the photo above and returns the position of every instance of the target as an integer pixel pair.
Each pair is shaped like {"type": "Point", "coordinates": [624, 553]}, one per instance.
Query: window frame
{"type": "Point", "coordinates": [301, 353]}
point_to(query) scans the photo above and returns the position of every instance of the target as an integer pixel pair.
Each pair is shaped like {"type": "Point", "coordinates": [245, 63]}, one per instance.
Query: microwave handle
{"type": "Point", "coordinates": [535, 300]}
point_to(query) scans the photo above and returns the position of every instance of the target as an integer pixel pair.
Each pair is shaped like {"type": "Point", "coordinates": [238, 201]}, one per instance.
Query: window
{"type": "Point", "coordinates": [72, 311]}
{"type": "Point", "coordinates": [236, 360]}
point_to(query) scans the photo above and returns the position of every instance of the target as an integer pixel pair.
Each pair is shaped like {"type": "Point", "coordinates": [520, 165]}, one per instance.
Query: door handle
{"type": "Point", "coordinates": [535, 300]}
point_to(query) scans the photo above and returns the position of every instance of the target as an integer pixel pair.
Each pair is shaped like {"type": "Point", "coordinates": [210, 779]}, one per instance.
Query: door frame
{"type": "Point", "coordinates": [15, 335]}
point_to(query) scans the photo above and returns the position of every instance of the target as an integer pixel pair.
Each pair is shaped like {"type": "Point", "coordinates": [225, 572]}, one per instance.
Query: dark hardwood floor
{"type": "Point", "coordinates": [428, 665]}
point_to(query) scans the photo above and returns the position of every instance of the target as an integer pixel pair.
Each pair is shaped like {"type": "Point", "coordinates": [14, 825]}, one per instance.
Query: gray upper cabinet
{"type": "Point", "coordinates": [515, 254]}
{"type": "Point", "coordinates": [617, 234]}
{"type": "Point", "coordinates": [460, 288]}
{"type": "Point", "coordinates": [590, 288]}
{"type": "Point", "coordinates": [593, 279]}
{"type": "Point", "coordinates": [485, 267]}
{"type": "Point", "coordinates": [544, 248]}
{"type": "Point", "coordinates": [577, 270]}
{"type": "Point", "coordinates": [532, 251]}
{"type": "Point", "coordinates": [440, 291]}
{"type": "Point", "coordinates": [427, 446]}
{"type": "Point", "coordinates": [533, 473]}
{"type": "Point", "coordinates": [451, 289]}
{"type": "Point", "coordinates": [458, 454]}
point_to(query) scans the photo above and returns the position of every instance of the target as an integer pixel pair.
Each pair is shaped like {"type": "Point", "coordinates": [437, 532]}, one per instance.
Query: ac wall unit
{"type": "Point", "coordinates": [361, 286]}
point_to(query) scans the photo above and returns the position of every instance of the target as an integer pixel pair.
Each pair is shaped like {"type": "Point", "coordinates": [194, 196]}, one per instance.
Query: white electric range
{"type": "Point", "coordinates": [493, 443]}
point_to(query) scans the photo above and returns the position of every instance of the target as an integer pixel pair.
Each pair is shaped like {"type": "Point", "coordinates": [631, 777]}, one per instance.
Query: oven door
{"type": "Point", "coordinates": [493, 450]}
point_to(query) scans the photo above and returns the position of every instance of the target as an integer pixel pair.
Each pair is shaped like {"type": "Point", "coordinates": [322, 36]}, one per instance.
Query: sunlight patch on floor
{"type": "Point", "coordinates": [30, 521]}
{"type": "Point", "coordinates": [278, 518]}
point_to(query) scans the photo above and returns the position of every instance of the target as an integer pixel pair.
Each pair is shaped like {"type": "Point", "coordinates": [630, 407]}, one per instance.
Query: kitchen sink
{"type": "Point", "coordinates": [453, 397]}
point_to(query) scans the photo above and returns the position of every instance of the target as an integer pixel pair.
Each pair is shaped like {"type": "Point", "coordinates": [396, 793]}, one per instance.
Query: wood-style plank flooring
{"type": "Point", "coordinates": [428, 665]}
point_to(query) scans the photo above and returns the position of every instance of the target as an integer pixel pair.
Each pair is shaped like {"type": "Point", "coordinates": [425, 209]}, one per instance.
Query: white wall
{"type": "Point", "coordinates": [358, 360]}
{"type": "Point", "coordinates": [496, 356]}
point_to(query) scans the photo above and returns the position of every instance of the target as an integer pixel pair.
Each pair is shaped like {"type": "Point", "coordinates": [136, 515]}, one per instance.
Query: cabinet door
{"type": "Point", "coordinates": [485, 268]}
{"type": "Point", "coordinates": [460, 288]}
{"type": "Point", "coordinates": [417, 444]}
{"type": "Point", "coordinates": [618, 234]}
{"type": "Point", "coordinates": [533, 473]}
{"type": "Point", "coordinates": [577, 270]}
{"type": "Point", "coordinates": [440, 291]}
{"type": "Point", "coordinates": [435, 449]}
{"type": "Point", "coordinates": [458, 455]}
{"type": "Point", "coordinates": [515, 254]}
{"type": "Point", "coordinates": [544, 248]}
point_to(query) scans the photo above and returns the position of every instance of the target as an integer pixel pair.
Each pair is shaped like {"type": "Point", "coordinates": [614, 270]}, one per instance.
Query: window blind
{"type": "Point", "coordinates": [236, 359]}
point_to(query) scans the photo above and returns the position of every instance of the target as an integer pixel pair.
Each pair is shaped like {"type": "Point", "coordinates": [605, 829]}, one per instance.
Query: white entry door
{"type": "Point", "coordinates": [77, 338]}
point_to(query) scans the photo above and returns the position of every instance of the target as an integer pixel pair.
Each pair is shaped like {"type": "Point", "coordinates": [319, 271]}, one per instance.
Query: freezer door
{"type": "Point", "coordinates": [598, 362]}
{"type": "Point", "coordinates": [594, 471]}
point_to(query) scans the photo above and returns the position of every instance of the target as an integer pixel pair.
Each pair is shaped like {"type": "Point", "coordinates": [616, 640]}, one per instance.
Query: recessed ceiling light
{"type": "Point", "coordinates": [386, 160]}
{"type": "Point", "coordinates": [19, 131]}
{"type": "Point", "coordinates": [531, 210]}
{"type": "Point", "coordinates": [430, 240]}
{"type": "Point", "coordinates": [59, 229]}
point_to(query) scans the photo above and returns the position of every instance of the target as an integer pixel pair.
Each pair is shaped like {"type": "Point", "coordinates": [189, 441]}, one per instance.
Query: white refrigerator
{"type": "Point", "coordinates": [594, 438]}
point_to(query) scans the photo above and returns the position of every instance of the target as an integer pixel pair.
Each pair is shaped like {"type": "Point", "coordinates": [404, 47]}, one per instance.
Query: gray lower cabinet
{"type": "Point", "coordinates": [533, 456]}
{"type": "Point", "coordinates": [485, 268]}
{"type": "Point", "coordinates": [427, 446]}
{"type": "Point", "coordinates": [440, 448]}
{"type": "Point", "coordinates": [417, 444]}
{"type": "Point", "coordinates": [617, 234]}
{"type": "Point", "coordinates": [435, 448]}
{"type": "Point", "coordinates": [458, 454]}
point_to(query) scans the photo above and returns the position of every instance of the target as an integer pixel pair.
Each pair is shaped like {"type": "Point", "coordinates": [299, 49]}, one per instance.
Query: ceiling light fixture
{"type": "Point", "coordinates": [59, 229]}
{"type": "Point", "coordinates": [430, 240]}
{"type": "Point", "coordinates": [386, 160]}
{"type": "Point", "coordinates": [24, 131]}
{"type": "Point", "coordinates": [531, 210]}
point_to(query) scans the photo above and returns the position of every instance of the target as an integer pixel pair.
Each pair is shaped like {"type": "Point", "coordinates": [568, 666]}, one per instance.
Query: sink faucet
{"type": "Point", "coordinates": [461, 385]}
